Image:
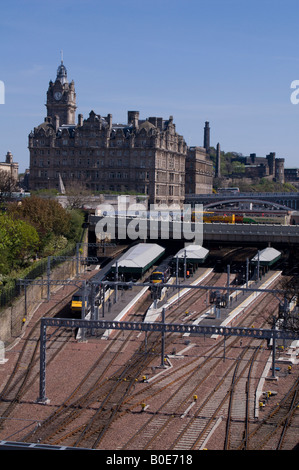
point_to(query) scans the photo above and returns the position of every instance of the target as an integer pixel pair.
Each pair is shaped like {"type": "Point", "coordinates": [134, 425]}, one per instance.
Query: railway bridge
{"type": "Point", "coordinates": [289, 200]}
{"type": "Point", "coordinates": [114, 228]}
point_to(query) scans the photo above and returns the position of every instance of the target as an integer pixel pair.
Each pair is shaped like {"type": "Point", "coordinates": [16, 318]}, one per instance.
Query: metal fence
{"type": "Point", "coordinates": [13, 290]}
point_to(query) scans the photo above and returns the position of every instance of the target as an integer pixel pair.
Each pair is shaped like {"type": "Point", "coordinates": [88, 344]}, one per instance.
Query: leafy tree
{"type": "Point", "coordinates": [7, 184]}
{"type": "Point", "coordinates": [46, 215]}
{"type": "Point", "coordinates": [77, 220]}
{"type": "Point", "coordinates": [18, 243]}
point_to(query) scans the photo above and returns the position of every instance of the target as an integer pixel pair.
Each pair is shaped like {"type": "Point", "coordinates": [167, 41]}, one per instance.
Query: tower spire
{"type": "Point", "coordinates": [61, 71]}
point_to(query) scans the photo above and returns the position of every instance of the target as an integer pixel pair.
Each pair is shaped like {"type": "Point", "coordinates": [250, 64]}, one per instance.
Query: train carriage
{"type": "Point", "coordinates": [162, 273]}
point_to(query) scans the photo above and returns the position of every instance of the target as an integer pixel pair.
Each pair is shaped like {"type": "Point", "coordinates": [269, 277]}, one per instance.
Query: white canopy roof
{"type": "Point", "coordinates": [267, 255]}
{"type": "Point", "coordinates": [140, 255]}
{"type": "Point", "coordinates": [193, 252]}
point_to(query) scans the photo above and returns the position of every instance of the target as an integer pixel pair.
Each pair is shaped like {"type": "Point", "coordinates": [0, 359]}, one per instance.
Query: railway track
{"type": "Point", "coordinates": [26, 369]}
{"type": "Point", "coordinates": [117, 395]}
{"type": "Point", "coordinates": [272, 433]}
{"type": "Point", "coordinates": [195, 377]}
{"type": "Point", "coordinates": [93, 388]}
{"type": "Point", "coordinates": [87, 416]}
{"type": "Point", "coordinates": [91, 391]}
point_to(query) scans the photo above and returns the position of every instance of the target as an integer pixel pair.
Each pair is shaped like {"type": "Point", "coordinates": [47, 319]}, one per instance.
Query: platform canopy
{"type": "Point", "coordinates": [139, 258]}
{"type": "Point", "coordinates": [194, 253]}
{"type": "Point", "coordinates": [267, 257]}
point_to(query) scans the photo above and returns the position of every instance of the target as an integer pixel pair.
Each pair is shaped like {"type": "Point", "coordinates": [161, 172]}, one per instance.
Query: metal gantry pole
{"type": "Point", "coordinates": [83, 308]}
{"type": "Point", "coordinates": [247, 272]}
{"type": "Point", "coordinates": [42, 383]}
{"type": "Point", "coordinates": [48, 277]}
{"type": "Point", "coordinates": [25, 294]}
{"type": "Point", "coordinates": [92, 304]}
{"type": "Point", "coordinates": [273, 349]}
{"type": "Point", "coordinates": [103, 302]}
{"type": "Point", "coordinates": [163, 340]}
{"type": "Point", "coordinates": [228, 284]}
{"type": "Point", "coordinates": [116, 279]}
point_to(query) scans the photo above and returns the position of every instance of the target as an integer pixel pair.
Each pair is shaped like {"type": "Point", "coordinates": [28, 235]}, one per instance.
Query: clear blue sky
{"type": "Point", "coordinates": [229, 62]}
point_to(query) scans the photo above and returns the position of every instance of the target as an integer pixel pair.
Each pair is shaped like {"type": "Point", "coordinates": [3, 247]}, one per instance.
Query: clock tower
{"type": "Point", "coordinates": [61, 99]}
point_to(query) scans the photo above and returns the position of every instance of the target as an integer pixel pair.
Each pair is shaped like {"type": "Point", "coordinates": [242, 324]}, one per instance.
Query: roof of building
{"type": "Point", "coordinates": [140, 256]}
{"type": "Point", "coordinates": [267, 256]}
{"type": "Point", "coordinates": [193, 252]}
{"type": "Point", "coordinates": [147, 126]}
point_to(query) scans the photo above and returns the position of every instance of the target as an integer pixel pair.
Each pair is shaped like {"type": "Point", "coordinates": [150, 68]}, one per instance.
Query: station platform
{"type": "Point", "coordinates": [127, 299]}
{"type": "Point", "coordinates": [169, 298]}
{"type": "Point", "coordinates": [116, 310]}
{"type": "Point", "coordinates": [223, 316]}
{"type": "Point", "coordinates": [238, 302]}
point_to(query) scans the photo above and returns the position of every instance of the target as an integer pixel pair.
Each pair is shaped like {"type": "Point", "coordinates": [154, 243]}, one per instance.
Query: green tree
{"type": "Point", "coordinates": [46, 215]}
{"type": "Point", "coordinates": [18, 243]}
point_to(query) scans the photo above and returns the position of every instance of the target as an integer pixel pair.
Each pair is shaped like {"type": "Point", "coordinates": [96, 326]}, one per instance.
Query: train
{"type": "Point", "coordinates": [212, 217]}
{"type": "Point", "coordinates": [76, 301]}
{"type": "Point", "coordinates": [131, 265]}
{"type": "Point", "coordinates": [162, 273]}
{"type": "Point", "coordinates": [218, 217]}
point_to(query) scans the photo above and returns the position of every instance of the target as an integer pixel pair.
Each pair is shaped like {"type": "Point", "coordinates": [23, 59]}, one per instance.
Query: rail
{"type": "Point", "coordinates": [269, 334]}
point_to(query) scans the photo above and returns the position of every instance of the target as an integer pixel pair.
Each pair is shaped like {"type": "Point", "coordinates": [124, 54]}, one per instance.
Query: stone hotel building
{"type": "Point", "coordinates": [147, 156]}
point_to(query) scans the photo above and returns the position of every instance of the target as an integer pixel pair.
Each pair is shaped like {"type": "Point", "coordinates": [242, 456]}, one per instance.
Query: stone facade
{"type": "Point", "coordinates": [147, 156]}
{"type": "Point", "coordinates": [264, 167]}
{"type": "Point", "coordinates": [291, 174]}
{"type": "Point", "coordinates": [199, 171]}
{"type": "Point", "coordinates": [10, 166]}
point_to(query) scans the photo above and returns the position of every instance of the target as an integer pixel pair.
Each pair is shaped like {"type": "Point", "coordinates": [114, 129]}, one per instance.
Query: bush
{"type": "Point", "coordinates": [46, 215]}
{"type": "Point", "coordinates": [18, 243]}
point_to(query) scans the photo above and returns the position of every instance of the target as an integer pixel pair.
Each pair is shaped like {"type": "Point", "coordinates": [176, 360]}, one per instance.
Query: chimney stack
{"type": "Point", "coordinates": [206, 139]}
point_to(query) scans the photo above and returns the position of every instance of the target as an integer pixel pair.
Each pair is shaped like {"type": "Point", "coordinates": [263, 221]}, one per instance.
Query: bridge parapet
{"type": "Point", "coordinates": [219, 232]}
{"type": "Point", "coordinates": [290, 200]}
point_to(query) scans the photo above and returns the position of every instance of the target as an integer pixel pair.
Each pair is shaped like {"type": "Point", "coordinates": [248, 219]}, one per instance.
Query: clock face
{"type": "Point", "coordinates": [57, 95]}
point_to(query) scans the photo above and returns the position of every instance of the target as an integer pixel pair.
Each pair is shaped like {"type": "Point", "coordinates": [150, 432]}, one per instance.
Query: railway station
{"type": "Point", "coordinates": [149, 272]}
